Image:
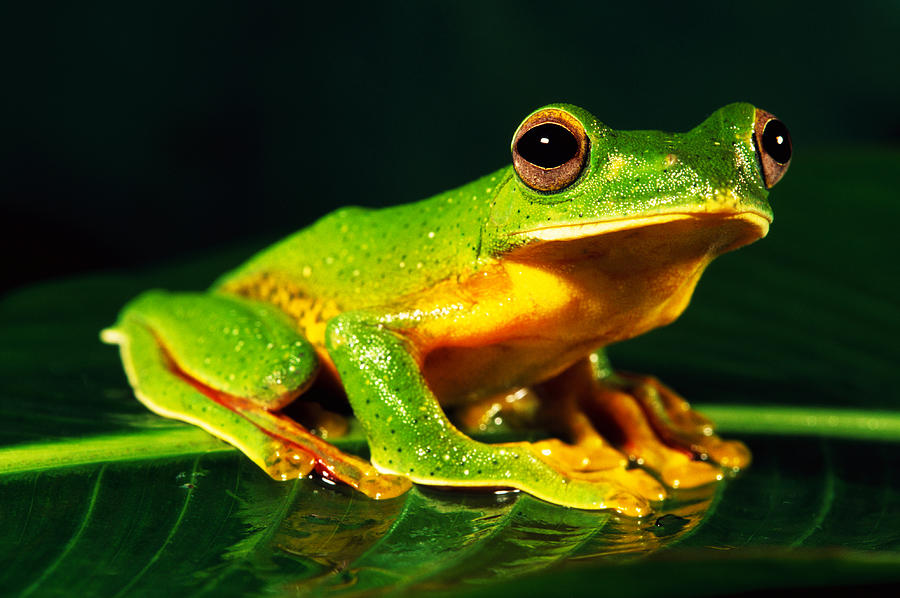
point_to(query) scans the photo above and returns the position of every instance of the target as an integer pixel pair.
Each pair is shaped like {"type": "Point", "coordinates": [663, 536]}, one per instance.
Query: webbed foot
{"type": "Point", "coordinates": [652, 426]}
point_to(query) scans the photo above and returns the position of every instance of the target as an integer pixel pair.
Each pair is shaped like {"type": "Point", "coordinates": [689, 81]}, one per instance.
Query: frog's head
{"type": "Point", "coordinates": [573, 178]}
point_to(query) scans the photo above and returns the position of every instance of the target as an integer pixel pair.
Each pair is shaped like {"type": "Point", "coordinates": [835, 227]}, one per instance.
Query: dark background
{"type": "Point", "coordinates": [137, 134]}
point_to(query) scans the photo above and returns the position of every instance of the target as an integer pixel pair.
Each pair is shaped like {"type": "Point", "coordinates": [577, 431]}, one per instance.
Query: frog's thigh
{"type": "Point", "coordinates": [243, 348]}
{"type": "Point", "coordinates": [222, 363]}
{"type": "Point", "coordinates": [409, 433]}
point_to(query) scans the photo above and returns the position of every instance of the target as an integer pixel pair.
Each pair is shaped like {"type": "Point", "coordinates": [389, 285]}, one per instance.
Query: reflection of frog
{"type": "Point", "coordinates": [518, 279]}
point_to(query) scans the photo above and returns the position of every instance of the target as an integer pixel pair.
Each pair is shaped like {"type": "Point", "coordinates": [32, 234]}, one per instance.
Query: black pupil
{"type": "Point", "coordinates": [776, 141]}
{"type": "Point", "coordinates": [548, 145]}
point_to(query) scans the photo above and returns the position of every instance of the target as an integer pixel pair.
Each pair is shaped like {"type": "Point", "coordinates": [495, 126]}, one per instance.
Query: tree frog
{"type": "Point", "coordinates": [508, 286]}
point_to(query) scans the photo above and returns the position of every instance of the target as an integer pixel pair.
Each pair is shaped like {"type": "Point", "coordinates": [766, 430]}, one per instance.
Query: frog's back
{"type": "Point", "coordinates": [358, 257]}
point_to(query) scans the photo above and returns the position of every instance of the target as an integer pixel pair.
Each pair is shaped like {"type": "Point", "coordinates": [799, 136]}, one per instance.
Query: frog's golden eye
{"type": "Point", "coordinates": [549, 150]}
{"type": "Point", "coordinates": [773, 147]}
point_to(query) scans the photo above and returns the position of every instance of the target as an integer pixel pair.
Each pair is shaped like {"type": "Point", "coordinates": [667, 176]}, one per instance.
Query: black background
{"type": "Point", "coordinates": [141, 133]}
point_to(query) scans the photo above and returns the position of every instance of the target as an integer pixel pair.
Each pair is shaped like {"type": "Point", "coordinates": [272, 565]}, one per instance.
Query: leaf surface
{"type": "Point", "coordinates": [791, 345]}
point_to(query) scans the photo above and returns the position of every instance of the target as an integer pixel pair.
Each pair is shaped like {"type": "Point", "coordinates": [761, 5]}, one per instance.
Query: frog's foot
{"type": "Point", "coordinates": [185, 358]}
{"type": "Point", "coordinates": [291, 451]}
{"type": "Point", "coordinates": [658, 430]}
{"type": "Point", "coordinates": [678, 425]}
{"type": "Point", "coordinates": [595, 461]}
{"type": "Point", "coordinates": [591, 458]}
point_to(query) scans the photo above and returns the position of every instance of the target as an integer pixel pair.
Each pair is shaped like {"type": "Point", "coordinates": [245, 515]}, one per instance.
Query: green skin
{"type": "Point", "coordinates": [375, 266]}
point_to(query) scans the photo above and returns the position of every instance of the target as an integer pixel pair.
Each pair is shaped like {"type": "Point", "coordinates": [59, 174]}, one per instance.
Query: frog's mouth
{"type": "Point", "coordinates": [711, 233]}
{"type": "Point", "coordinates": [592, 229]}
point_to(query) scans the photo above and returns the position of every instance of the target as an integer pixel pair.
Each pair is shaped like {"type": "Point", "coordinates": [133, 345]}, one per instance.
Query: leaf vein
{"type": "Point", "coordinates": [171, 534]}
{"type": "Point", "coordinates": [49, 569]}
{"type": "Point", "coordinates": [827, 498]}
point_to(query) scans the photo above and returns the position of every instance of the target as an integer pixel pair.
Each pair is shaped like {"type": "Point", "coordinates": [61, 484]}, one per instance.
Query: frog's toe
{"type": "Point", "coordinates": [689, 474]}
{"type": "Point", "coordinates": [641, 483]}
{"type": "Point", "coordinates": [383, 485]}
{"type": "Point", "coordinates": [629, 504]}
{"type": "Point", "coordinates": [675, 468]}
{"type": "Point", "coordinates": [581, 457]}
{"type": "Point", "coordinates": [635, 481]}
{"type": "Point", "coordinates": [288, 461]}
{"type": "Point", "coordinates": [732, 454]}
{"type": "Point", "coordinates": [601, 492]}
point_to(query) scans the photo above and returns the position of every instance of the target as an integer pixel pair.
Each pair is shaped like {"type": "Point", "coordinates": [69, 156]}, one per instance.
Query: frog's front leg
{"type": "Point", "coordinates": [649, 422]}
{"type": "Point", "coordinates": [409, 433]}
{"type": "Point", "coordinates": [228, 365]}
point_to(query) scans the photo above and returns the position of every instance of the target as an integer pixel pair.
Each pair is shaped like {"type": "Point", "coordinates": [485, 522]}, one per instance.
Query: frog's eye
{"type": "Point", "coordinates": [549, 150]}
{"type": "Point", "coordinates": [773, 147]}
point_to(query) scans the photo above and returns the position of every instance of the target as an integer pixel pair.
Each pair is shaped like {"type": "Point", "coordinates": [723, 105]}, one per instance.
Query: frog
{"type": "Point", "coordinates": [513, 285]}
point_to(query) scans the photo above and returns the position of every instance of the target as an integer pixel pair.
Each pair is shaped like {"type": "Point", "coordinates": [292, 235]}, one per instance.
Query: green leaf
{"type": "Point", "coordinates": [790, 344]}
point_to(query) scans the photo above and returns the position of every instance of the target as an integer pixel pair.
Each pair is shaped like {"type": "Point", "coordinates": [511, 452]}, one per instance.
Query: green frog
{"type": "Point", "coordinates": [502, 292]}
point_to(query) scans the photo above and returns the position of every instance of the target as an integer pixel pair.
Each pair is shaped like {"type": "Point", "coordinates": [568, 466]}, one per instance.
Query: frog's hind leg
{"type": "Point", "coordinates": [228, 365]}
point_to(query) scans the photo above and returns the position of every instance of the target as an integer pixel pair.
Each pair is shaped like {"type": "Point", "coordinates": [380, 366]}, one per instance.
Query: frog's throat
{"type": "Point", "coordinates": [591, 229]}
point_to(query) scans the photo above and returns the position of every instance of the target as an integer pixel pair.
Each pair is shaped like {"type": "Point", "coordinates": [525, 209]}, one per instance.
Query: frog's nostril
{"type": "Point", "coordinates": [773, 147]}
